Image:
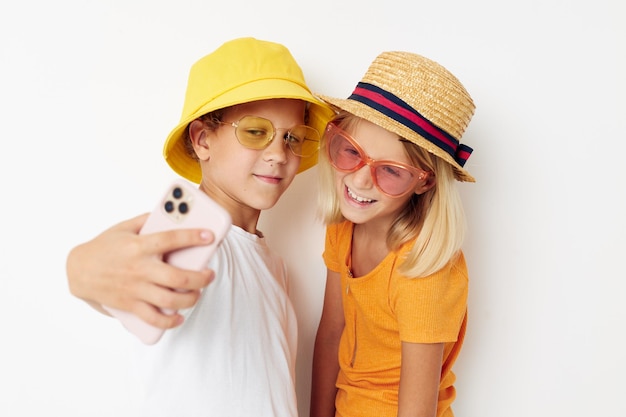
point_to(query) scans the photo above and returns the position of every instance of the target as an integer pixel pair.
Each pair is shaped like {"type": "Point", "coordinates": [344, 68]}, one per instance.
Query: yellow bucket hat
{"type": "Point", "coordinates": [240, 71]}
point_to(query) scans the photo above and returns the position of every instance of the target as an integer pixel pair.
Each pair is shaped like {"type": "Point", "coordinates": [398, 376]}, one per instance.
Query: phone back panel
{"type": "Point", "coordinates": [183, 206]}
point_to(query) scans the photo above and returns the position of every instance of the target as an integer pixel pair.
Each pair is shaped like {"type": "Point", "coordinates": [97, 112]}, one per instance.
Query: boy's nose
{"type": "Point", "coordinates": [277, 149]}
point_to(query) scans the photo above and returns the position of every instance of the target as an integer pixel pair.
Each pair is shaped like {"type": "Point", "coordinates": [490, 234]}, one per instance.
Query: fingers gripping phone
{"type": "Point", "coordinates": [183, 206]}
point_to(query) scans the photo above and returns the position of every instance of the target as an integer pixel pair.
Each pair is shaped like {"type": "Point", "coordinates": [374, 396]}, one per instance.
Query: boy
{"type": "Point", "coordinates": [249, 125]}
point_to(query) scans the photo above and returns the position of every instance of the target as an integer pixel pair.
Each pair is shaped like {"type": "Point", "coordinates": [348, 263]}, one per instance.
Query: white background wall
{"type": "Point", "coordinates": [89, 90]}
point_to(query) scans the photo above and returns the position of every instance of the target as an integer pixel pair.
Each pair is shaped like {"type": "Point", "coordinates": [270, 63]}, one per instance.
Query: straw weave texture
{"type": "Point", "coordinates": [427, 87]}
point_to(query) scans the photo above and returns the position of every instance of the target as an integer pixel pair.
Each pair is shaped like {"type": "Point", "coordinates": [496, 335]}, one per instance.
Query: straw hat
{"type": "Point", "coordinates": [417, 99]}
{"type": "Point", "coordinates": [240, 71]}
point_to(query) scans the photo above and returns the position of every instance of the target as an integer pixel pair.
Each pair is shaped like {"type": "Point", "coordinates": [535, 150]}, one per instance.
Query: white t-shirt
{"type": "Point", "coordinates": [235, 353]}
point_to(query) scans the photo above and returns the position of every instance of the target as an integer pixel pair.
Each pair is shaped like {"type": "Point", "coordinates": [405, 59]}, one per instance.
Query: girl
{"type": "Point", "coordinates": [394, 310]}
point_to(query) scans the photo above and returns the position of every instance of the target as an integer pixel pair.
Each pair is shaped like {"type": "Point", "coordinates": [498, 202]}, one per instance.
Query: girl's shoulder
{"type": "Point", "coordinates": [339, 229]}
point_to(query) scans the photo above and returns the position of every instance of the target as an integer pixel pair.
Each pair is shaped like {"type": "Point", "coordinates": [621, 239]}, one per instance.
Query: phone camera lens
{"type": "Point", "coordinates": [169, 206]}
{"type": "Point", "coordinates": [183, 208]}
{"type": "Point", "coordinates": [177, 192]}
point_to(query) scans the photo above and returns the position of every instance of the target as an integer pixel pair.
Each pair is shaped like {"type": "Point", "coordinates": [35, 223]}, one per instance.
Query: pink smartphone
{"type": "Point", "coordinates": [182, 206]}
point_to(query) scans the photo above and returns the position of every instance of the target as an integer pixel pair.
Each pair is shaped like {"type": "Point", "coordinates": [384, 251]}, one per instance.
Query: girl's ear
{"type": "Point", "coordinates": [198, 134]}
{"type": "Point", "coordinates": [426, 184]}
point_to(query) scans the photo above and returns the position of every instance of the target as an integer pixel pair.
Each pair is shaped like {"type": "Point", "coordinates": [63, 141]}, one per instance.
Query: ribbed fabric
{"type": "Point", "coordinates": [384, 308]}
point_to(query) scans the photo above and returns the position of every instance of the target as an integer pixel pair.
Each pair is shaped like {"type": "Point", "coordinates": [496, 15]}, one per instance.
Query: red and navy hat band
{"type": "Point", "coordinates": [398, 110]}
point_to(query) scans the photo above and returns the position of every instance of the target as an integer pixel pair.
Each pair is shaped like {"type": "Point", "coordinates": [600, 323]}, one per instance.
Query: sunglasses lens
{"type": "Point", "coordinates": [303, 140]}
{"type": "Point", "coordinates": [343, 155]}
{"type": "Point", "coordinates": [393, 180]}
{"type": "Point", "coordinates": [254, 132]}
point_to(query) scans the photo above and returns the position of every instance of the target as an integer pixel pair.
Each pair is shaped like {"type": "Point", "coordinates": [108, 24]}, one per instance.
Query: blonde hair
{"type": "Point", "coordinates": [435, 220]}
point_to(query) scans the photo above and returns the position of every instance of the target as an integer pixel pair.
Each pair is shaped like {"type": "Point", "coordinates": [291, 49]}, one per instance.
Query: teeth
{"type": "Point", "coordinates": [358, 198]}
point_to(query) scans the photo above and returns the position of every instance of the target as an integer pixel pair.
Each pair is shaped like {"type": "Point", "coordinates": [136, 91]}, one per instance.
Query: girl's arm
{"type": "Point", "coordinates": [325, 355]}
{"type": "Point", "coordinates": [121, 269]}
{"type": "Point", "coordinates": [419, 379]}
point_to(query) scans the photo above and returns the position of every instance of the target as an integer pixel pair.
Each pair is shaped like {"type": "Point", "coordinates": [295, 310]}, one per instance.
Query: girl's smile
{"type": "Point", "coordinates": [358, 199]}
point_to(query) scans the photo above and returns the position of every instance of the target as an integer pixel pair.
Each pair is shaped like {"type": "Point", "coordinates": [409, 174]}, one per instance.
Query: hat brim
{"type": "Point", "coordinates": [319, 115]}
{"type": "Point", "coordinates": [366, 112]}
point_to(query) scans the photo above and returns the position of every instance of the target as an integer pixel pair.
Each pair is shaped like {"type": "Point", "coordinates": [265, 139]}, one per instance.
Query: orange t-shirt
{"type": "Point", "coordinates": [384, 308]}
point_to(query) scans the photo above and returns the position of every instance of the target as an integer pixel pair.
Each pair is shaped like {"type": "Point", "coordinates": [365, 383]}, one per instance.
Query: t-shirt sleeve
{"type": "Point", "coordinates": [431, 309]}
{"type": "Point", "coordinates": [331, 248]}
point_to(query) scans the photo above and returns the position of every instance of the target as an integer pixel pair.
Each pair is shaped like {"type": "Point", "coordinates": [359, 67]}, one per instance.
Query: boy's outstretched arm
{"type": "Point", "coordinates": [124, 270]}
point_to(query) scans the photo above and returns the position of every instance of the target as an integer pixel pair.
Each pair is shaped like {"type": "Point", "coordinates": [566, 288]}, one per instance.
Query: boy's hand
{"type": "Point", "coordinates": [124, 270]}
